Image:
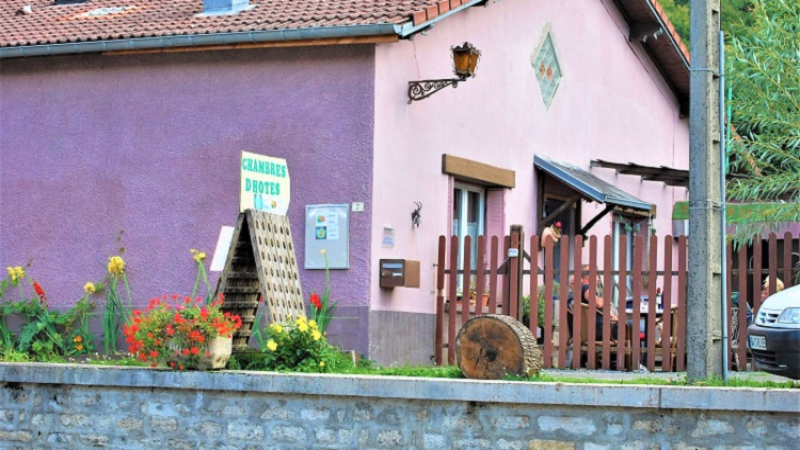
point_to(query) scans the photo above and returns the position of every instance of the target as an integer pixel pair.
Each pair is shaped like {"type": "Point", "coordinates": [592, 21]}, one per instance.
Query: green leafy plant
{"type": "Point", "coordinates": [115, 309]}
{"type": "Point", "coordinates": [199, 257]}
{"type": "Point", "coordinates": [175, 331]}
{"type": "Point", "coordinates": [526, 307]}
{"type": "Point", "coordinates": [322, 309]}
{"type": "Point", "coordinates": [299, 347]}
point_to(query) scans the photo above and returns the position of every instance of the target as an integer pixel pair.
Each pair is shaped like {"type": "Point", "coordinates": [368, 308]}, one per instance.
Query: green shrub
{"type": "Point", "coordinates": [298, 347]}
{"type": "Point", "coordinates": [526, 306]}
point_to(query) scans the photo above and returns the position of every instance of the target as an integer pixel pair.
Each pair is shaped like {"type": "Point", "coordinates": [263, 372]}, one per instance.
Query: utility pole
{"type": "Point", "coordinates": [704, 329]}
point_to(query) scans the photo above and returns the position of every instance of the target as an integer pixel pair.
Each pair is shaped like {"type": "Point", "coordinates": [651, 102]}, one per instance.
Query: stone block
{"type": "Point", "coordinates": [60, 440]}
{"type": "Point", "coordinates": [75, 420]}
{"type": "Point", "coordinates": [289, 434]}
{"type": "Point", "coordinates": [159, 423]}
{"type": "Point", "coordinates": [390, 438]}
{"type": "Point", "coordinates": [511, 422]}
{"type": "Point", "coordinates": [42, 420]}
{"type": "Point", "coordinates": [756, 427]}
{"type": "Point", "coordinates": [245, 431]}
{"type": "Point", "coordinates": [17, 436]}
{"type": "Point", "coordinates": [315, 414]}
{"type": "Point", "coordinates": [503, 444]}
{"type": "Point", "coordinates": [180, 444]}
{"type": "Point", "coordinates": [276, 413]}
{"type": "Point", "coordinates": [712, 427]}
{"type": "Point", "coordinates": [94, 440]}
{"type": "Point", "coordinates": [572, 425]}
{"type": "Point", "coordinates": [129, 423]}
{"type": "Point", "coordinates": [325, 435]}
{"type": "Point", "coordinates": [345, 436]}
{"type": "Point", "coordinates": [472, 444]}
{"type": "Point", "coordinates": [790, 429]}
{"type": "Point", "coordinates": [210, 430]}
{"type": "Point", "coordinates": [462, 423]}
{"type": "Point", "coordinates": [434, 441]}
{"type": "Point", "coordinates": [538, 444]}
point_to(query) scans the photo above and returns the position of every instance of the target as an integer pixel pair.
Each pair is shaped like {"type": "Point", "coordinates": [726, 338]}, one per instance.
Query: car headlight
{"type": "Point", "coordinates": [790, 316]}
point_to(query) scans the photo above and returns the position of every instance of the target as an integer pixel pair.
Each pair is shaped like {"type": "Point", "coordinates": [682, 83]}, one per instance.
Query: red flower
{"type": "Point", "coordinates": [558, 225]}
{"type": "Point", "coordinates": [315, 301]}
{"type": "Point", "coordinates": [153, 354]}
{"type": "Point", "coordinates": [195, 350]}
{"type": "Point", "coordinates": [40, 292]}
{"type": "Point", "coordinates": [185, 352]}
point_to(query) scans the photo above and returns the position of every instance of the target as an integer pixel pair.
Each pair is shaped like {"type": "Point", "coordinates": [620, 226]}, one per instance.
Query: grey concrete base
{"type": "Point", "coordinates": [73, 406]}
{"type": "Point", "coordinates": [349, 329]}
{"type": "Point", "coordinates": [401, 338]}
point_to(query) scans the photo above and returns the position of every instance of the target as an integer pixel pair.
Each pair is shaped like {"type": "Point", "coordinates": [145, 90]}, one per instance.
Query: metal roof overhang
{"type": "Point", "coordinates": [664, 174]}
{"type": "Point", "coordinates": [588, 185]}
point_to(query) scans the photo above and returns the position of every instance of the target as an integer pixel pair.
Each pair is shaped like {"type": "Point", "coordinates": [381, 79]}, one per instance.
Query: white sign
{"type": "Point", "coordinates": [221, 251]}
{"type": "Point", "coordinates": [265, 184]}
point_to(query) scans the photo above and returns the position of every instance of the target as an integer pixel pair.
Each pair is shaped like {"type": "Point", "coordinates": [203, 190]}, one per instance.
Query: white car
{"type": "Point", "coordinates": [774, 337]}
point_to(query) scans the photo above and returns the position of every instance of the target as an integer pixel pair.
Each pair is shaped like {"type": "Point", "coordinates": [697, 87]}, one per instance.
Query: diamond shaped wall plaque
{"type": "Point", "coordinates": [547, 68]}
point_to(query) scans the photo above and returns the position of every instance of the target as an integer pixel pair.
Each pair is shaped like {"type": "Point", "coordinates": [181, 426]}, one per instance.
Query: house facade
{"type": "Point", "coordinates": [122, 127]}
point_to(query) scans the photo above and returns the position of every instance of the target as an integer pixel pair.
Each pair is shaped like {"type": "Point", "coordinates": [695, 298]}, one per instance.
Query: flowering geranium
{"type": "Point", "coordinates": [175, 331]}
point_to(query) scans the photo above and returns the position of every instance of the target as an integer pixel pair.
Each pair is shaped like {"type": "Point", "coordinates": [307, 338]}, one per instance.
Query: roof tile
{"type": "Point", "coordinates": [121, 19]}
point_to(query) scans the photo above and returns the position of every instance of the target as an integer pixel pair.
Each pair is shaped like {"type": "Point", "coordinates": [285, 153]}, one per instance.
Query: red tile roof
{"type": "Point", "coordinates": [93, 20]}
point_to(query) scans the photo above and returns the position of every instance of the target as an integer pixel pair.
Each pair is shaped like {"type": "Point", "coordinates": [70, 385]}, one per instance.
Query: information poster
{"type": "Point", "coordinates": [264, 184]}
{"type": "Point", "coordinates": [328, 229]}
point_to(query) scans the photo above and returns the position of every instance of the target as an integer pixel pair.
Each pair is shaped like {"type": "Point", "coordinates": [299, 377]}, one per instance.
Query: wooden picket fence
{"type": "Point", "coordinates": [658, 343]}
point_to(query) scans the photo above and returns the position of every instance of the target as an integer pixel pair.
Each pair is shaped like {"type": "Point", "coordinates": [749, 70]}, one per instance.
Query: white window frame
{"type": "Point", "coordinates": [465, 189]}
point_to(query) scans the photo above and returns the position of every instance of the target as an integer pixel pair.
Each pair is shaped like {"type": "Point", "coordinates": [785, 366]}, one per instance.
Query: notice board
{"type": "Point", "coordinates": [328, 229]}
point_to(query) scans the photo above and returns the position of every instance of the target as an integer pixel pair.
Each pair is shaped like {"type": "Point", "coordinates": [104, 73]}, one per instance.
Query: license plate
{"type": "Point", "coordinates": [758, 342]}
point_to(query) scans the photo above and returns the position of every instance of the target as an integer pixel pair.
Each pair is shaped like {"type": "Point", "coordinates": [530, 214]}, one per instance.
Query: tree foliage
{"type": "Point", "coordinates": [764, 73]}
{"type": "Point", "coordinates": [735, 16]}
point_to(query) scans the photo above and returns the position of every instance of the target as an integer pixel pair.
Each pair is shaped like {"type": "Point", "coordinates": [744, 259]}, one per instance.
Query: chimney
{"type": "Point", "coordinates": [212, 7]}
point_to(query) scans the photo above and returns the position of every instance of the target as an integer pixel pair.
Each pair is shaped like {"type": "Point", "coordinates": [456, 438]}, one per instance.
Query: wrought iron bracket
{"type": "Point", "coordinates": [422, 89]}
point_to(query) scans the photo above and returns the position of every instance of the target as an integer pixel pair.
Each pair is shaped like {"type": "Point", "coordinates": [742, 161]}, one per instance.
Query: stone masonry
{"type": "Point", "coordinates": [75, 407]}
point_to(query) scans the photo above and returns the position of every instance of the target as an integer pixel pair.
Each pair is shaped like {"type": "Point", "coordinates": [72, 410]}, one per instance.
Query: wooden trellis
{"type": "Point", "coordinates": [261, 263]}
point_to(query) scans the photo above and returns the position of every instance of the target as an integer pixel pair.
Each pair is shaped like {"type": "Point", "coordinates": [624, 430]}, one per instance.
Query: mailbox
{"type": "Point", "coordinates": [399, 273]}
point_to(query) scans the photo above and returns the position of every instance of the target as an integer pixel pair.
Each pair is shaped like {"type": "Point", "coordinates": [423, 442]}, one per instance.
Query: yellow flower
{"type": "Point", "coordinates": [302, 327]}
{"type": "Point", "coordinates": [198, 255]}
{"type": "Point", "coordinates": [116, 265]}
{"type": "Point", "coordinates": [312, 324]}
{"type": "Point", "coordinates": [272, 345]}
{"type": "Point", "coordinates": [322, 252]}
{"type": "Point", "coordinates": [90, 288]}
{"type": "Point", "coordinates": [16, 273]}
{"type": "Point", "coordinates": [322, 363]}
{"type": "Point", "coordinates": [316, 335]}
{"type": "Point", "coordinates": [278, 329]}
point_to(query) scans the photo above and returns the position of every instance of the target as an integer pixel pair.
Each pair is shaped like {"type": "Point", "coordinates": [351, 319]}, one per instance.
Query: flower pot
{"type": "Point", "coordinates": [219, 352]}
{"type": "Point", "coordinates": [213, 356]}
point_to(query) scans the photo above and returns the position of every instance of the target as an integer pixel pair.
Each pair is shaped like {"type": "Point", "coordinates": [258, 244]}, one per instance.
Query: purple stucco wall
{"type": "Point", "coordinates": [150, 144]}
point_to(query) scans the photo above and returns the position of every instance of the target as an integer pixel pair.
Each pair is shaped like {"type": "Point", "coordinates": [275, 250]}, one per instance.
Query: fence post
{"type": "Point", "coordinates": [515, 271]}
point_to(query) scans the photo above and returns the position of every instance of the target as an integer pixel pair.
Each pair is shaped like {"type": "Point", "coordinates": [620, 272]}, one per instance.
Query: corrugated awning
{"type": "Point", "coordinates": [589, 186]}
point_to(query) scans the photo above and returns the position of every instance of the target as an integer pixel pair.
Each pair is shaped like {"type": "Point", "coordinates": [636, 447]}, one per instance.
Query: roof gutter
{"type": "Point", "coordinates": [409, 28]}
{"type": "Point", "coordinates": [201, 40]}
{"type": "Point", "coordinates": [667, 33]}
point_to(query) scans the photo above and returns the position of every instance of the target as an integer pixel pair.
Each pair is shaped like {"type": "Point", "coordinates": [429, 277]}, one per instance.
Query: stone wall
{"type": "Point", "coordinates": [62, 406]}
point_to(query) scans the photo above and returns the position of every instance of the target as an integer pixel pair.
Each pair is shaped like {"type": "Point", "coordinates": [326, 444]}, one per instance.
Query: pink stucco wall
{"type": "Point", "coordinates": [611, 104]}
